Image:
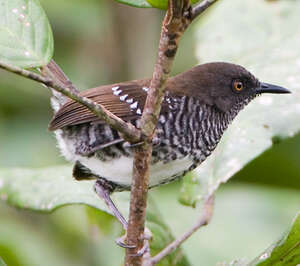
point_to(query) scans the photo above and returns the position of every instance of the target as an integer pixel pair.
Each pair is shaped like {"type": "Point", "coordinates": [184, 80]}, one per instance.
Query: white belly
{"type": "Point", "coordinates": [120, 170]}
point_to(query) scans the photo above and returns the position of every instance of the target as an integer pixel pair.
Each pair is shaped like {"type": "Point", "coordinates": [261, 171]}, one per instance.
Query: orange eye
{"type": "Point", "coordinates": [238, 85]}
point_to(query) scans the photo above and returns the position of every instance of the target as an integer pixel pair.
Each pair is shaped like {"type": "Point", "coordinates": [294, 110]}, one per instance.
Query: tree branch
{"type": "Point", "coordinates": [173, 27]}
{"type": "Point", "coordinates": [203, 220]}
{"type": "Point", "coordinates": [129, 132]}
{"type": "Point", "coordinates": [201, 7]}
{"type": "Point", "coordinates": [178, 17]}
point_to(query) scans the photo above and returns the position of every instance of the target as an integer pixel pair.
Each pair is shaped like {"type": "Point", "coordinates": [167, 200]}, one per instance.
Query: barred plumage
{"type": "Point", "coordinates": [198, 106]}
{"type": "Point", "coordinates": [190, 130]}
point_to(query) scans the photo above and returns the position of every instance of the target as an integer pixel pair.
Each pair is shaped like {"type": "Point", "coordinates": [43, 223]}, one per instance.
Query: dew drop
{"type": "Point", "coordinates": [1, 183]}
{"type": "Point", "coordinates": [24, 7]}
{"type": "Point", "coordinates": [22, 16]}
{"type": "Point", "coordinates": [27, 24]}
{"type": "Point", "coordinates": [27, 53]}
{"type": "Point", "coordinates": [15, 10]}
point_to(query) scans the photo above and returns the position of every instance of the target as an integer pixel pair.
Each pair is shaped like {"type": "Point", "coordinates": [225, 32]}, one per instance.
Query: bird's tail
{"type": "Point", "coordinates": [53, 71]}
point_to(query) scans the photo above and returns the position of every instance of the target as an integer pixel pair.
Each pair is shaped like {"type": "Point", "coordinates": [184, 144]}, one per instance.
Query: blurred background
{"type": "Point", "coordinates": [101, 42]}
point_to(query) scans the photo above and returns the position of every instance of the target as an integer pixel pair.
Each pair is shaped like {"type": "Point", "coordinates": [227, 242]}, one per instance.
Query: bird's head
{"type": "Point", "coordinates": [223, 85]}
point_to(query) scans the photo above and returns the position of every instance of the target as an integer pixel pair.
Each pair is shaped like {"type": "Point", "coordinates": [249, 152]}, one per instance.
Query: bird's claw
{"type": "Point", "coordinates": [145, 249]}
{"type": "Point", "coordinates": [121, 242]}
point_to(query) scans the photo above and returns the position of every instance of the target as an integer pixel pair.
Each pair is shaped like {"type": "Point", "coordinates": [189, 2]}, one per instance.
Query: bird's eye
{"type": "Point", "coordinates": [238, 85]}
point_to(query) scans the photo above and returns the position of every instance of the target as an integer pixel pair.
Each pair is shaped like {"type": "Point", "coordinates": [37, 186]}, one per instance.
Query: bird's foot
{"type": "Point", "coordinates": [155, 142]}
{"type": "Point", "coordinates": [121, 241]}
{"type": "Point", "coordinates": [133, 145]}
{"type": "Point", "coordinates": [145, 249]}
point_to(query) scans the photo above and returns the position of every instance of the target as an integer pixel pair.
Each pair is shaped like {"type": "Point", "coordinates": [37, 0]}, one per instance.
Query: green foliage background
{"type": "Point", "coordinates": [98, 42]}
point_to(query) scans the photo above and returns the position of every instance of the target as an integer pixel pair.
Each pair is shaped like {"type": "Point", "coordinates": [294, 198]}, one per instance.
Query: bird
{"type": "Point", "coordinates": [198, 106]}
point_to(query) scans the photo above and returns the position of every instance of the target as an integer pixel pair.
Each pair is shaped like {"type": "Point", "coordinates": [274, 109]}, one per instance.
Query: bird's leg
{"type": "Point", "coordinates": [103, 190]}
{"type": "Point", "coordinates": [104, 193]}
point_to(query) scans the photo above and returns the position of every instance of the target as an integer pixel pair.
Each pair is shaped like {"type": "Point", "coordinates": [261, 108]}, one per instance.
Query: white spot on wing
{"type": "Point", "coordinates": [134, 105]}
{"type": "Point", "coordinates": [117, 92]}
{"type": "Point", "coordinates": [138, 111]}
{"type": "Point", "coordinates": [145, 89]}
{"type": "Point", "coordinates": [115, 88]}
{"type": "Point", "coordinates": [129, 100]}
{"type": "Point", "coordinates": [123, 98]}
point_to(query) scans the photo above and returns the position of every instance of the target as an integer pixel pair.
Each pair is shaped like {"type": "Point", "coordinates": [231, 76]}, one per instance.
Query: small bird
{"type": "Point", "coordinates": [198, 106]}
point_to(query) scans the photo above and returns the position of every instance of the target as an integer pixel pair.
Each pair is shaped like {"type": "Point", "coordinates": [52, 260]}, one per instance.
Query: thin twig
{"type": "Point", "coordinates": [201, 7]}
{"type": "Point", "coordinates": [203, 220]}
{"type": "Point", "coordinates": [129, 132]}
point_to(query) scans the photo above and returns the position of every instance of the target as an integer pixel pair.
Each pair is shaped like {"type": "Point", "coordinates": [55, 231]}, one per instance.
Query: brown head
{"type": "Point", "coordinates": [221, 84]}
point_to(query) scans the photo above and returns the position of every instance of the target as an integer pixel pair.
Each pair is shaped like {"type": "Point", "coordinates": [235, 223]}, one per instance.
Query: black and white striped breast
{"type": "Point", "coordinates": [189, 129]}
{"type": "Point", "coordinates": [185, 136]}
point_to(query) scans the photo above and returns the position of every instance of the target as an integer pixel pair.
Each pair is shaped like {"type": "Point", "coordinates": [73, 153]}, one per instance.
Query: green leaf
{"type": "Point", "coordinates": [162, 236]}
{"type": "Point", "coordinates": [25, 34]}
{"type": "Point", "coordinates": [163, 4]}
{"type": "Point", "coordinates": [260, 36]}
{"type": "Point", "coordinates": [2, 263]}
{"type": "Point", "coordinates": [190, 190]}
{"type": "Point", "coordinates": [233, 263]}
{"type": "Point", "coordinates": [247, 218]}
{"type": "Point", "coordinates": [135, 3]}
{"type": "Point", "coordinates": [21, 243]}
{"type": "Point", "coordinates": [286, 251]}
{"type": "Point", "coordinates": [50, 188]}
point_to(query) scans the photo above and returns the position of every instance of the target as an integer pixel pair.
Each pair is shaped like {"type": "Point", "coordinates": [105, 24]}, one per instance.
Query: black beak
{"type": "Point", "coordinates": [269, 88]}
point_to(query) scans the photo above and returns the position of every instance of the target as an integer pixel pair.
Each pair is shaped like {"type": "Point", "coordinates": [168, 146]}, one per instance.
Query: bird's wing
{"type": "Point", "coordinates": [125, 100]}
